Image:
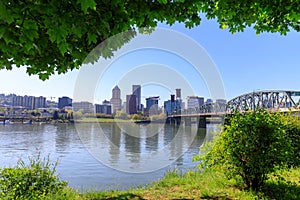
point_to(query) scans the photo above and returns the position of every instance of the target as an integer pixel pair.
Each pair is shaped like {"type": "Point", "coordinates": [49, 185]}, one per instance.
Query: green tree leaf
{"type": "Point", "coordinates": [92, 38]}
{"type": "Point", "coordinates": [86, 4]}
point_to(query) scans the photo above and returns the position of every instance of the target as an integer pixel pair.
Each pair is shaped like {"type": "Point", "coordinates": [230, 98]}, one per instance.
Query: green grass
{"type": "Point", "coordinates": [37, 180]}
{"type": "Point", "coordinates": [210, 184]}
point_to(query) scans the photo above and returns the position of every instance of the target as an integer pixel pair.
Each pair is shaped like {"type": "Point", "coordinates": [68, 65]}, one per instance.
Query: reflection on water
{"type": "Point", "coordinates": [80, 149]}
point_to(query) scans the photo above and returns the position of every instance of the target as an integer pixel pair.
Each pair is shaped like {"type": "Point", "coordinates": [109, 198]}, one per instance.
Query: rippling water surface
{"type": "Point", "coordinates": [91, 156]}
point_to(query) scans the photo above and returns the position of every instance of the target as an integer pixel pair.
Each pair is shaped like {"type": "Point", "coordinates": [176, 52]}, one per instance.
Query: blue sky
{"type": "Point", "coordinates": [246, 62]}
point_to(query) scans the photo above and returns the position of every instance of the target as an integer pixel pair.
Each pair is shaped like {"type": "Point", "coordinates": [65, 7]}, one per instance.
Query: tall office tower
{"type": "Point", "coordinates": [116, 101]}
{"type": "Point", "coordinates": [29, 102]}
{"type": "Point", "coordinates": [136, 90]}
{"type": "Point", "coordinates": [151, 106]}
{"type": "Point", "coordinates": [131, 104]}
{"type": "Point", "coordinates": [178, 93]}
{"type": "Point", "coordinates": [17, 101]}
{"type": "Point", "coordinates": [172, 105]}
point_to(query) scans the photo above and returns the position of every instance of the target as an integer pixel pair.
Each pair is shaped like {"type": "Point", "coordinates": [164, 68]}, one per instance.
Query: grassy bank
{"type": "Point", "coordinates": [37, 180]}
{"type": "Point", "coordinates": [211, 184]}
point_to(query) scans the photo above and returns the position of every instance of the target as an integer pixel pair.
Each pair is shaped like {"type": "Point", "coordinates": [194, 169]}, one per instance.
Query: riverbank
{"type": "Point", "coordinates": [211, 184]}
{"type": "Point", "coordinates": [115, 120]}
{"type": "Point", "coordinates": [100, 120]}
{"type": "Point", "coordinates": [82, 120]}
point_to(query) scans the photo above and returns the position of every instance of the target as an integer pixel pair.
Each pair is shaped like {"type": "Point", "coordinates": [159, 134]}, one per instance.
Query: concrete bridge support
{"type": "Point", "coordinates": [187, 121]}
{"type": "Point", "coordinates": [173, 121]}
{"type": "Point", "coordinates": [169, 120]}
{"type": "Point", "coordinates": [177, 121]}
{"type": "Point", "coordinates": [201, 122]}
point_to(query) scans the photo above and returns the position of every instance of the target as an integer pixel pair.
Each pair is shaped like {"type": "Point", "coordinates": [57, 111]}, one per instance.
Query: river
{"type": "Point", "coordinates": [106, 156]}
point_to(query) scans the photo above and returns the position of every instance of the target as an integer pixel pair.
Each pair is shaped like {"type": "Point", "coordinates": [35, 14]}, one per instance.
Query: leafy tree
{"type": "Point", "coordinates": [55, 115]}
{"type": "Point", "coordinates": [135, 117]}
{"type": "Point", "coordinates": [121, 114]}
{"type": "Point", "coordinates": [56, 36]}
{"type": "Point", "coordinates": [255, 144]}
{"type": "Point", "coordinates": [78, 114]}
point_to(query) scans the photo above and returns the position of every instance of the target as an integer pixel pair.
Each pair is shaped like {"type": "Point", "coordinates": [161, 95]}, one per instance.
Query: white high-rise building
{"type": "Point", "coordinates": [116, 100]}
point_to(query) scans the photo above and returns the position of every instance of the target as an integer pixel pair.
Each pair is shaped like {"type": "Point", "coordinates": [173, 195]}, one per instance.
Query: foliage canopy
{"type": "Point", "coordinates": [56, 36]}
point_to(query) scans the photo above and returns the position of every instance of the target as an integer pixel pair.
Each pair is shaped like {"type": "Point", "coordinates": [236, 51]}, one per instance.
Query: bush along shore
{"type": "Point", "coordinates": [256, 156]}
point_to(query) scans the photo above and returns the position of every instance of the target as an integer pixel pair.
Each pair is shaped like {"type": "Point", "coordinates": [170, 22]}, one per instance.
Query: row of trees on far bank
{"type": "Point", "coordinates": [121, 114]}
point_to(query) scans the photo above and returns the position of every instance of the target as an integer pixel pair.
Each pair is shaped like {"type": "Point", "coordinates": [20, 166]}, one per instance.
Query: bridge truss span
{"type": "Point", "coordinates": [272, 100]}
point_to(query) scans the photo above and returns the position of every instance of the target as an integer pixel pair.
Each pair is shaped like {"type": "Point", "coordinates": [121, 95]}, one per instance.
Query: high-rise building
{"type": "Point", "coordinates": [152, 106]}
{"type": "Point", "coordinates": [194, 102]}
{"type": "Point", "coordinates": [131, 104]}
{"type": "Point", "coordinates": [39, 102]}
{"type": "Point", "coordinates": [64, 101]}
{"type": "Point", "coordinates": [178, 93]}
{"type": "Point", "coordinates": [116, 92]}
{"type": "Point", "coordinates": [116, 101]}
{"type": "Point", "coordinates": [17, 101]}
{"type": "Point", "coordinates": [172, 105]}
{"type": "Point", "coordinates": [152, 102]}
{"type": "Point", "coordinates": [136, 90]}
{"type": "Point", "coordinates": [29, 102]}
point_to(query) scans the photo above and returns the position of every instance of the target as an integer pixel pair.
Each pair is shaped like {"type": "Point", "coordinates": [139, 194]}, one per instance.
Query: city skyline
{"type": "Point", "coordinates": [247, 62]}
{"type": "Point", "coordinates": [277, 99]}
{"type": "Point", "coordinates": [115, 95]}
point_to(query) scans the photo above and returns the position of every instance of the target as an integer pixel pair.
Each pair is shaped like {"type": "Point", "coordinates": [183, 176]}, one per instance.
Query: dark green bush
{"type": "Point", "coordinates": [255, 144]}
{"type": "Point", "coordinates": [35, 180]}
{"type": "Point", "coordinates": [292, 128]}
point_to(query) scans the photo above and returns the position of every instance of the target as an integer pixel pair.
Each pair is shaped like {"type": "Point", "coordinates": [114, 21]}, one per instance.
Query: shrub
{"type": "Point", "coordinates": [255, 144]}
{"type": "Point", "coordinates": [33, 181]}
{"type": "Point", "coordinates": [292, 128]}
{"type": "Point", "coordinates": [121, 114]}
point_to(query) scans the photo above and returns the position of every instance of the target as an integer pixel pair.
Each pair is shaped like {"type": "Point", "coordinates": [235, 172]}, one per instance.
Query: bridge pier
{"type": "Point", "coordinates": [187, 121]}
{"type": "Point", "coordinates": [169, 120]}
{"type": "Point", "coordinates": [177, 121]}
{"type": "Point", "coordinates": [201, 122]}
{"type": "Point", "coordinates": [173, 121]}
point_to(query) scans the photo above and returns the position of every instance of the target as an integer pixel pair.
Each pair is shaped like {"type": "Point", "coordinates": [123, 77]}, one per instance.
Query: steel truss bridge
{"type": "Point", "coordinates": [277, 100]}
{"type": "Point", "coordinates": [273, 100]}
